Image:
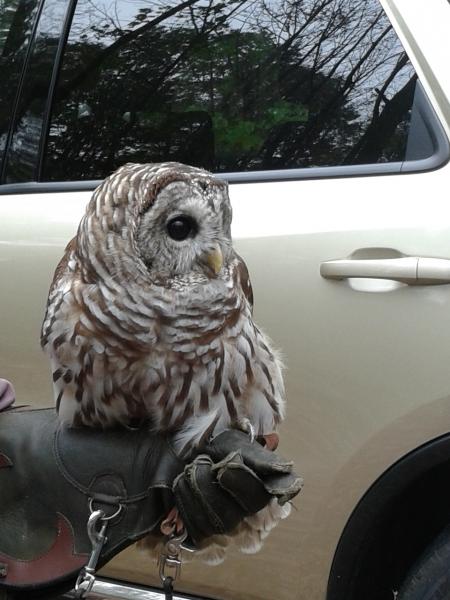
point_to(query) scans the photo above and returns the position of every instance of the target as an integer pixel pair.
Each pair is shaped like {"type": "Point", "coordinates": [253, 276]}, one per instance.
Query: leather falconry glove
{"type": "Point", "coordinates": [53, 478]}
{"type": "Point", "coordinates": [249, 477]}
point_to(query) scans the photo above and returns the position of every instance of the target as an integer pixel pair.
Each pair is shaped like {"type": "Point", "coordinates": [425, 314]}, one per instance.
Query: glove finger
{"type": "Point", "coordinates": [255, 456]}
{"type": "Point", "coordinates": [191, 510]}
{"type": "Point", "coordinates": [247, 487]}
{"type": "Point", "coordinates": [205, 507]}
{"type": "Point", "coordinates": [284, 486]}
{"type": "Point", "coordinates": [248, 490]}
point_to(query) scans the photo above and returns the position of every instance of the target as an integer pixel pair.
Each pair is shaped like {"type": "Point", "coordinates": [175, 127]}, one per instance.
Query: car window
{"type": "Point", "coordinates": [17, 19]}
{"type": "Point", "coordinates": [23, 154]}
{"type": "Point", "coordinates": [229, 86]}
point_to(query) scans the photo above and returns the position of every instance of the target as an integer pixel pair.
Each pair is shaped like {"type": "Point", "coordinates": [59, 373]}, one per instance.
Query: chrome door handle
{"type": "Point", "coordinates": [413, 270]}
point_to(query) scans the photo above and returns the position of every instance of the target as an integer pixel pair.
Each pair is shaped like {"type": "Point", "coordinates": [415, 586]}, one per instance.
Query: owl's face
{"type": "Point", "coordinates": [186, 230]}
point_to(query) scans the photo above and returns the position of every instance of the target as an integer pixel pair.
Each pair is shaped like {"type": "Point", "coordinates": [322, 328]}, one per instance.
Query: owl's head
{"type": "Point", "coordinates": [184, 223]}
{"type": "Point", "coordinates": [176, 217]}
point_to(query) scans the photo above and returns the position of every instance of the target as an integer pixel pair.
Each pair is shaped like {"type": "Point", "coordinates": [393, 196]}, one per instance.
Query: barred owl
{"type": "Point", "coordinates": [149, 315]}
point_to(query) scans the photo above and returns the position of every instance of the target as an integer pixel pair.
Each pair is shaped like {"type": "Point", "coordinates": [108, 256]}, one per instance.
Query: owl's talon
{"type": "Point", "coordinates": [247, 427]}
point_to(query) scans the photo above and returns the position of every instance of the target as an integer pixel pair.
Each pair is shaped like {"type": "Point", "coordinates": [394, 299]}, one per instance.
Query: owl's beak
{"type": "Point", "coordinates": [214, 260]}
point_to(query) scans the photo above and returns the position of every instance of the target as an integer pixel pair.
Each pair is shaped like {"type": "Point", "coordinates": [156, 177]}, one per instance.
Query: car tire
{"type": "Point", "coordinates": [429, 578]}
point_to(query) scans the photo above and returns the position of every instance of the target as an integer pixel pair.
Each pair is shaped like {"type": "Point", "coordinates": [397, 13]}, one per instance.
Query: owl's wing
{"type": "Point", "coordinates": [61, 267]}
{"type": "Point", "coordinates": [60, 272]}
{"type": "Point", "coordinates": [244, 279]}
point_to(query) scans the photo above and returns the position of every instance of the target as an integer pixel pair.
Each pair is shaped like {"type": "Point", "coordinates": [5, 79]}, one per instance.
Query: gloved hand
{"type": "Point", "coordinates": [231, 479]}
{"type": "Point", "coordinates": [52, 478]}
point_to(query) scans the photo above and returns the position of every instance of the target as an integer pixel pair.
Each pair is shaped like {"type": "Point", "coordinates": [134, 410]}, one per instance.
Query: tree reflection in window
{"type": "Point", "coordinates": [239, 85]}
{"type": "Point", "coordinates": [17, 19]}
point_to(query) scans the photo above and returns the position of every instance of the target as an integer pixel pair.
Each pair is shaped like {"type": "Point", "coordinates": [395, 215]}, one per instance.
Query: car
{"type": "Point", "coordinates": [331, 121]}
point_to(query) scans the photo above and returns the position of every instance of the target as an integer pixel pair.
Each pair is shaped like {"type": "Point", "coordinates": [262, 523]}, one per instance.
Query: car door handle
{"type": "Point", "coordinates": [413, 270]}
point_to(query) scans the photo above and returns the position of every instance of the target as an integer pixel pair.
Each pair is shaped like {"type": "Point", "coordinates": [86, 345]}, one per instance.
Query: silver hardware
{"type": "Point", "coordinates": [412, 270]}
{"type": "Point", "coordinates": [96, 530]}
{"type": "Point", "coordinates": [105, 518]}
{"type": "Point", "coordinates": [170, 557]}
{"type": "Point", "coordinates": [84, 584]}
{"type": "Point", "coordinates": [113, 590]}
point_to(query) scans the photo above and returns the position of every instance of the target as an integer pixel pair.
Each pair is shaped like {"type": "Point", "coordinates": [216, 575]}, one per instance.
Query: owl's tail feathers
{"type": "Point", "coordinates": [250, 535]}
{"type": "Point", "coordinates": [195, 433]}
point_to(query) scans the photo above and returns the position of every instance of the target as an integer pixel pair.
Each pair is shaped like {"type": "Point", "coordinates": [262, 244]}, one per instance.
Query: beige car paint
{"type": "Point", "coordinates": [368, 375]}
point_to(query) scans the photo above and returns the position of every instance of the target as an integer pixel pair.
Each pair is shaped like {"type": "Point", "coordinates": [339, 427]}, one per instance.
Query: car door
{"type": "Point", "coordinates": [336, 156]}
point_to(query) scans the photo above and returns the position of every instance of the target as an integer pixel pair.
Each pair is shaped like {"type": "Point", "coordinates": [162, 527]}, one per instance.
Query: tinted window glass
{"type": "Point", "coordinates": [17, 19]}
{"type": "Point", "coordinates": [229, 86]}
{"type": "Point", "coordinates": [22, 160]}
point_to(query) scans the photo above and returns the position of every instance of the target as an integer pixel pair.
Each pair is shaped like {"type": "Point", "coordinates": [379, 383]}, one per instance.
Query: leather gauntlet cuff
{"type": "Point", "coordinates": [51, 477]}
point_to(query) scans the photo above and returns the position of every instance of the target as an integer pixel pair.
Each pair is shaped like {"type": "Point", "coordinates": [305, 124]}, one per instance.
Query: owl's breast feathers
{"type": "Point", "coordinates": [124, 347]}
{"type": "Point", "coordinates": [121, 353]}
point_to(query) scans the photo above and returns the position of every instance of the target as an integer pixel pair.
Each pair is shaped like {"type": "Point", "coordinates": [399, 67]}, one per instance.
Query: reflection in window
{"type": "Point", "coordinates": [22, 160]}
{"type": "Point", "coordinates": [230, 86]}
{"type": "Point", "coordinates": [16, 26]}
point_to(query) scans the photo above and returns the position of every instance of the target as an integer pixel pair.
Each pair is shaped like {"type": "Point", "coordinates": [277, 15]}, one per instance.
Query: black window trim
{"type": "Point", "coordinates": [433, 163]}
{"type": "Point", "coordinates": [438, 160]}
{"type": "Point", "coordinates": [27, 58]}
{"type": "Point", "coordinates": [52, 86]}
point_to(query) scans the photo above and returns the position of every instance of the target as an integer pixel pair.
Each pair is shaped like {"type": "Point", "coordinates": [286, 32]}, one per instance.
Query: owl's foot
{"type": "Point", "coordinates": [269, 441]}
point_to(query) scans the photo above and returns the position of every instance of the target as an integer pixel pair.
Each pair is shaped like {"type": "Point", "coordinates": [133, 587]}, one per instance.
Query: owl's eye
{"type": "Point", "coordinates": [179, 228]}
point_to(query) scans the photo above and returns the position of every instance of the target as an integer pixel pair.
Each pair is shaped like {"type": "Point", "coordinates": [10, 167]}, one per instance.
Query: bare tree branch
{"type": "Point", "coordinates": [65, 89]}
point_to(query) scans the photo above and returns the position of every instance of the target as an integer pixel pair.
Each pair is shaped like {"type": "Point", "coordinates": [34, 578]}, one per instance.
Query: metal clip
{"type": "Point", "coordinates": [170, 557]}
{"type": "Point", "coordinates": [96, 529]}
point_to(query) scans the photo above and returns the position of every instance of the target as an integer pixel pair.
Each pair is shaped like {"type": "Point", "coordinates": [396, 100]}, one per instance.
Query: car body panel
{"type": "Point", "coordinates": [366, 361]}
